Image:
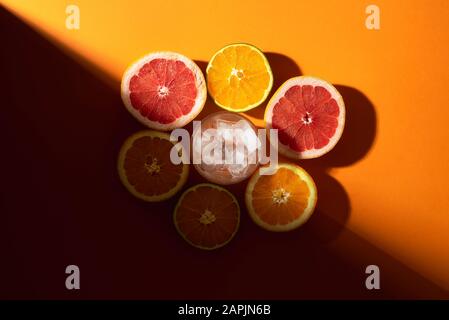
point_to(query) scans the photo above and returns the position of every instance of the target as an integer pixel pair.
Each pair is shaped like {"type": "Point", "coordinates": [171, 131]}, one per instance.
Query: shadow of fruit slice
{"type": "Point", "coordinates": [283, 200]}
{"type": "Point", "coordinates": [145, 167]}
{"type": "Point", "coordinates": [164, 90]}
{"type": "Point", "coordinates": [239, 77]}
{"type": "Point", "coordinates": [309, 114]}
{"type": "Point", "coordinates": [207, 216]}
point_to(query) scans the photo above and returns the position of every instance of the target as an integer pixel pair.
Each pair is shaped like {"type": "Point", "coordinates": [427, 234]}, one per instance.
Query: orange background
{"type": "Point", "coordinates": [393, 161]}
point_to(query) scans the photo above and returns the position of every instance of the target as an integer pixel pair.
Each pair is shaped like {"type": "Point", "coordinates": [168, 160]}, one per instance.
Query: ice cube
{"type": "Point", "coordinates": [236, 169]}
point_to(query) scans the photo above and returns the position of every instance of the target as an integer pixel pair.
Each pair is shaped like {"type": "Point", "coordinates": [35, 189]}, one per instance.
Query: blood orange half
{"type": "Point", "coordinates": [309, 114]}
{"type": "Point", "coordinates": [164, 90]}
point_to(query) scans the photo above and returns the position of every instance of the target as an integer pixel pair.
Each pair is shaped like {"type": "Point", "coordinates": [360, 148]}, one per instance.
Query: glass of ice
{"type": "Point", "coordinates": [226, 145]}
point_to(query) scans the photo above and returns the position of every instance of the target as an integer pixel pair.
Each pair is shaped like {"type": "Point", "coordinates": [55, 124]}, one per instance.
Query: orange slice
{"type": "Point", "coordinates": [239, 77]}
{"type": "Point", "coordinates": [207, 216]}
{"type": "Point", "coordinates": [145, 167]}
{"type": "Point", "coordinates": [282, 201]}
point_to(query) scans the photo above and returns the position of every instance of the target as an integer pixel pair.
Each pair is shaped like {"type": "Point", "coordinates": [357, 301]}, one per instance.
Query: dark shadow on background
{"type": "Point", "coordinates": [65, 126]}
{"type": "Point", "coordinates": [332, 210]}
{"type": "Point", "coordinates": [283, 68]}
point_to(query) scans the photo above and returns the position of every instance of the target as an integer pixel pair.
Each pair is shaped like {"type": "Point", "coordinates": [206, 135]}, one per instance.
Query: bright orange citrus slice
{"type": "Point", "coordinates": [145, 167]}
{"type": "Point", "coordinates": [239, 77]}
{"type": "Point", "coordinates": [282, 201]}
{"type": "Point", "coordinates": [207, 216]}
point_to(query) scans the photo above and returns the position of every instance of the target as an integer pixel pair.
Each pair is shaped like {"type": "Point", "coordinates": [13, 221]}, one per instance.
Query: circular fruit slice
{"type": "Point", "coordinates": [145, 167]}
{"type": "Point", "coordinates": [309, 114]}
{"type": "Point", "coordinates": [239, 77]}
{"type": "Point", "coordinates": [164, 90]}
{"type": "Point", "coordinates": [207, 216]}
{"type": "Point", "coordinates": [282, 201]}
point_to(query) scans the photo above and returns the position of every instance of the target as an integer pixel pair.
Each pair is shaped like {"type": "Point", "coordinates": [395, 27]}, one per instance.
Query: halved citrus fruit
{"type": "Point", "coordinates": [282, 201]}
{"type": "Point", "coordinates": [239, 77]}
{"type": "Point", "coordinates": [207, 216]}
{"type": "Point", "coordinates": [145, 167]}
{"type": "Point", "coordinates": [164, 90]}
{"type": "Point", "coordinates": [309, 114]}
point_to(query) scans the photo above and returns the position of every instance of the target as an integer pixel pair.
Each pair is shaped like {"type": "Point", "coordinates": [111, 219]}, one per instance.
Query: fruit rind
{"type": "Point", "coordinates": [267, 64]}
{"type": "Point", "coordinates": [307, 80]}
{"type": "Point", "coordinates": [183, 120]}
{"type": "Point", "coordinates": [215, 187]}
{"type": "Point", "coordinates": [121, 171]}
{"type": "Point", "coordinates": [301, 173]}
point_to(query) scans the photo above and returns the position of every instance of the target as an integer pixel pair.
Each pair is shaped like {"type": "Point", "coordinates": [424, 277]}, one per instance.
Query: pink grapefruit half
{"type": "Point", "coordinates": [309, 114]}
{"type": "Point", "coordinates": [164, 90]}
